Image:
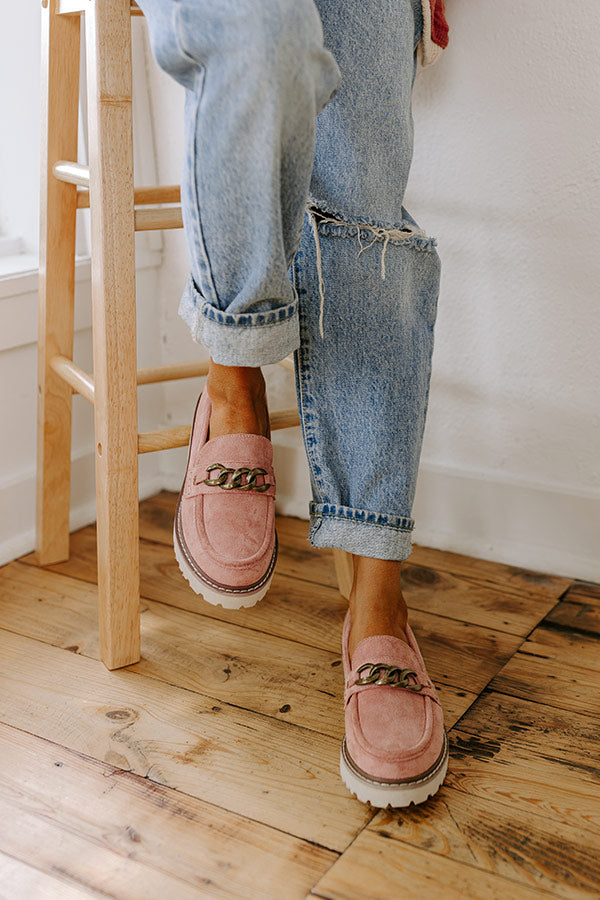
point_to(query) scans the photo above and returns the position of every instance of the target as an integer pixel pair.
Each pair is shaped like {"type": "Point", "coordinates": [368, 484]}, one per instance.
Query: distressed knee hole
{"type": "Point", "coordinates": [407, 235]}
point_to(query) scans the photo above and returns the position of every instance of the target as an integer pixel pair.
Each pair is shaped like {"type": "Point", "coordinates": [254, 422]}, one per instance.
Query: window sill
{"type": "Point", "coordinates": [19, 272]}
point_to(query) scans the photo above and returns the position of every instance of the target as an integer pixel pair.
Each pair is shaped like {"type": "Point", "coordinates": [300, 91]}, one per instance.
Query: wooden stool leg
{"type": "Point", "coordinates": [344, 571]}
{"type": "Point", "coordinates": [108, 43]}
{"type": "Point", "coordinates": [59, 115]}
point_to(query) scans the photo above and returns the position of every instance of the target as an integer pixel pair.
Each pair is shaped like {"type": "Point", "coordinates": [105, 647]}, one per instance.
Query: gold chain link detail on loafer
{"type": "Point", "coordinates": [236, 478]}
{"type": "Point", "coordinates": [390, 675]}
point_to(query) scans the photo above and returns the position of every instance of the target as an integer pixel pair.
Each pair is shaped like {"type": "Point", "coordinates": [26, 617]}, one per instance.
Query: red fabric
{"type": "Point", "coordinates": [439, 25]}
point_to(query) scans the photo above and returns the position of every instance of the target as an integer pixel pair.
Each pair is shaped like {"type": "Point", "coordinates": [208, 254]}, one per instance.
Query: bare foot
{"type": "Point", "coordinates": [238, 398]}
{"type": "Point", "coordinates": [377, 605]}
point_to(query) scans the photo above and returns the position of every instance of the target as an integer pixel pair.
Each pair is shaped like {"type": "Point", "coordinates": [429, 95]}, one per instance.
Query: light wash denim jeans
{"type": "Point", "coordinates": [299, 140]}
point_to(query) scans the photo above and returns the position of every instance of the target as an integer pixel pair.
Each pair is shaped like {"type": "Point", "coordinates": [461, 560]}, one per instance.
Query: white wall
{"type": "Point", "coordinates": [19, 218]}
{"type": "Point", "coordinates": [18, 401]}
{"type": "Point", "coordinates": [507, 176]}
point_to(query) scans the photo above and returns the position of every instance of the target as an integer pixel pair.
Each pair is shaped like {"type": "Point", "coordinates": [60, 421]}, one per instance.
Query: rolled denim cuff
{"type": "Point", "coordinates": [378, 535]}
{"type": "Point", "coordinates": [240, 339]}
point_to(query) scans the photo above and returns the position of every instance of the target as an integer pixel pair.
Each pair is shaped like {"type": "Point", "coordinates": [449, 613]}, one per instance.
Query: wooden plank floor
{"type": "Point", "coordinates": [210, 768]}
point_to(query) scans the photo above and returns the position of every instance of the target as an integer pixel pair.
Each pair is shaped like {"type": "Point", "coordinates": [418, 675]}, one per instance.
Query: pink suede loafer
{"type": "Point", "coordinates": [395, 751]}
{"type": "Point", "coordinates": [224, 531]}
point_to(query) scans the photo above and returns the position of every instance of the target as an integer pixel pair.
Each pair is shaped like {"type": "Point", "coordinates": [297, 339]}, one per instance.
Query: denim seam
{"type": "Point", "coordinates": [302, 371]}
{"type": "Point", "coordinates": [206, 270]}
{"type": "Point", "coordinates": [254, 325]}
{"type": "Point", "coordinates": [428, 384]}
{"type": "Point", "coordinates": [357, 521]}
{"type": "Point", "coordinates": [311, 442]}
{"type": "Point", "coordinates": [207, 311]}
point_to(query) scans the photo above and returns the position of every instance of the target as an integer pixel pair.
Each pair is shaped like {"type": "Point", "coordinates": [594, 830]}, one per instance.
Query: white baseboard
{"type": "Point", "coordinates": [17, 495]}
{"type": "Point", "coordinates": [547, 528]}
{"type": "Point", "coordinates": [532, 526]}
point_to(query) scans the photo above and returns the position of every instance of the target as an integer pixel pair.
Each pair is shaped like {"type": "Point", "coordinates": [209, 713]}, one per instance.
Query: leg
{"type": "Point", "coordinates": [60, 103]}
{"type": "Point", "coordinates": [256, 74]}
{"type": "Point", "coordinates": [367, 280]}
{"type": "Point", "coordinates": [377, 605]}
{"type": "Point", "coordinates": [113, 300]}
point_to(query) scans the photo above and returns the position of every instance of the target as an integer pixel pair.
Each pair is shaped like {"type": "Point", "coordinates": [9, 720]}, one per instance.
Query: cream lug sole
{"type": "Point", "coordinates": [383, 794]}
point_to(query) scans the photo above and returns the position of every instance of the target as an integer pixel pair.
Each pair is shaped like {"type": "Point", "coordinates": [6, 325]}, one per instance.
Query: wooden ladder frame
{"type": "Point", "coordinates": [117, 212]}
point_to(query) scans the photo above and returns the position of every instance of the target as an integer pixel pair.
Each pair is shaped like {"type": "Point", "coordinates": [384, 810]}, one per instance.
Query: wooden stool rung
{"type": "Point", "coordinates": [285, 418]}
{"type": "Point", "coordinates": [165, 438]}
{"type": "Point", "coordinates": [173, 372]}
{"type": "Point", "coordinates": [179, 436]}
{"type": "Point", "coordinates": [170, 193]}
{"type": "Point", "coordinates": [72, 172]}
{"type": "Point", "coordinates": [81, 382]}
{"type": "Point", "coordinates": [177, 371]}
{"type": "Point", "coordinates": [155, 219]}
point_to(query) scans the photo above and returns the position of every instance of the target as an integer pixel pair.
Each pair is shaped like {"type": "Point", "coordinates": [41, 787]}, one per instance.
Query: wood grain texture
{"type": "Point", "coordinates": [154, 374]}
{"type": "Point", "coordinates": [108, 58]}
{"type": "Point", "coordinates": [79, 380]}
{"type": "Point", "coordinates": [490, 594]}
{"type": "Point", "coordinates": [459, 654]}
{"type": "Point", "coordinates": [578, 610]}
{"type": "Point", "coordinates": [523, 583]}
{"type": "Point", "coordinates": [127, 837]}
{"type": "Point", "coordinates": [297, 559]}
{"type": "Point", "coordinates": [271, 771]}
{"type": "Point", "coordinates": [556, 666]}
{"type": "Point", "coordinates": [18, 879]}
{"type": "Point", "coordinates": [380, 869]}
{"type": "Point", "coordinates": [211, 765]}
{"type": "Point", "coordinates": [529, 756]}
{"type": "Point", "coordinates": [274, 676]}
{"type": "Point", "coordinates": [59, 117]}
{"type": "Point", "coordinates": [530, 848]}
{"type": "Point", "coordinates": [168, 193]}
{"type": "Point", "coordinates": [157, 219]}
{"type": "Point", "coordinates": [179, 435]}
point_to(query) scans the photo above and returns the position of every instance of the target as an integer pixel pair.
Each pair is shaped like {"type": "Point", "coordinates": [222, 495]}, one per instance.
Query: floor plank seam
{"type": "Point", "coordinates": [216, 618]}
{"type": "Point", "coordinates": [375, 813]}
{"type": "Point", "coordinates": [496, 690]}
{"type": "Point", "coordinates": [486, 689]}
{"type": "Point", "coordinates": [519, 806]}
{"type": "Point", "coordinates": [163, 680]}
{"type": "Point", "coordinates": [567, 629]}
{"type": "Point", "coordinates": [474, 865]}
{"type": "Point", "coordinates": [56, 874]}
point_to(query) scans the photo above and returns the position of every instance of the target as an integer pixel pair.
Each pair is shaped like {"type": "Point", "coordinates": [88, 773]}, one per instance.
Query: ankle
{"type": "Point", "coordinates": [383, 607]}
{"type": "Point", "coordinates": [239, 400]}
{"type": "Point", "coordinates": [239, 383]}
